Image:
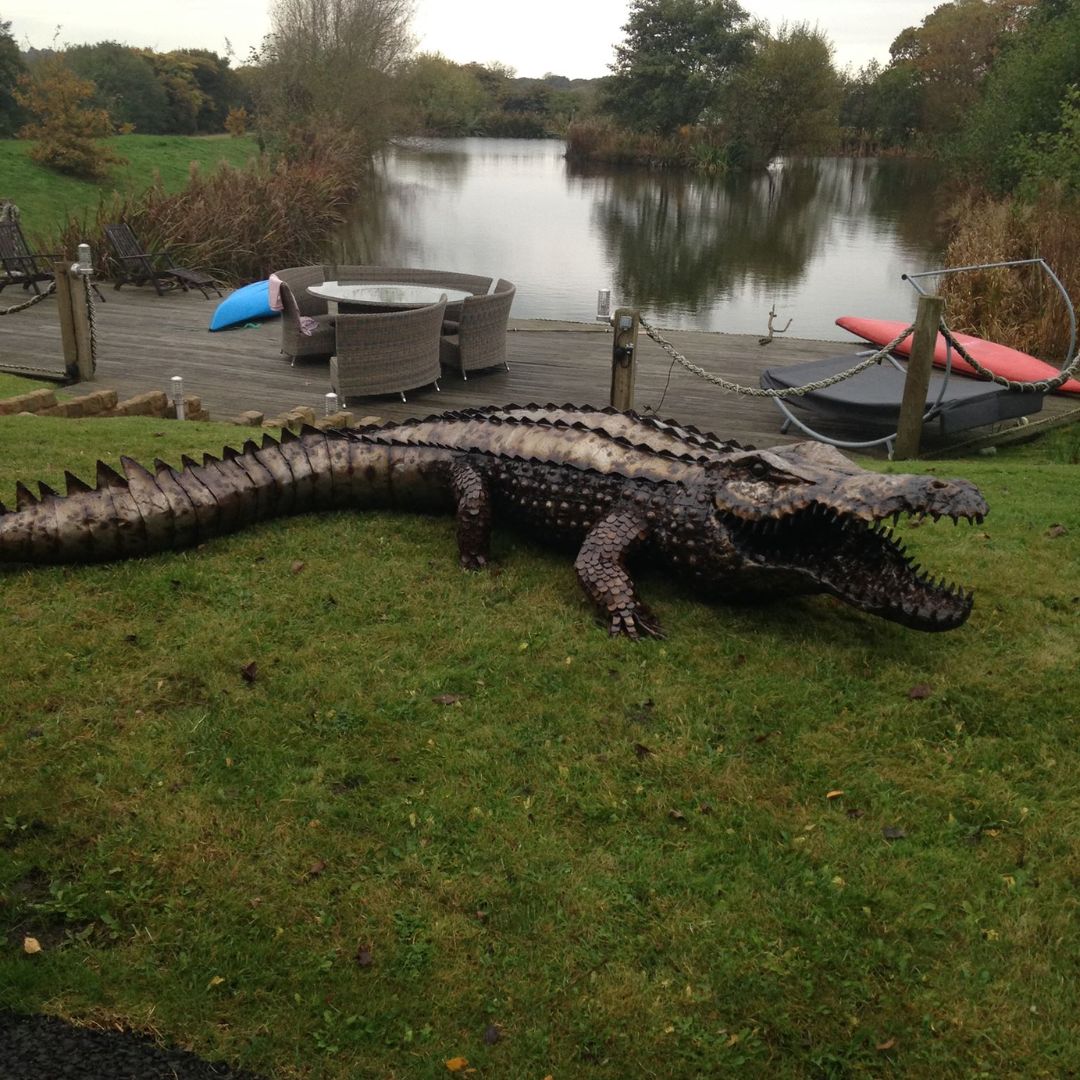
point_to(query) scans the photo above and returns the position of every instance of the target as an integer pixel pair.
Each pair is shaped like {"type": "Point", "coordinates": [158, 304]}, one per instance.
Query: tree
{"type": "Point", "coordinates": [1024, 96]}
{"type": "Point", "coordinates": [951, 52]}
{"type": "Point", "coordinates": [66, 127]}
{"type": "Point", "coordinates": [444, 98]}
{"type": "Point", "coordinates": [786, 99]}
{"type": "Point", "coordinates": [219, 86]}
{"type": "Point", "coordinates": [125, 84]}
{"type": "Point", "coordinates": [327, 65]}
{"type": "Point", "coordinates": [11, 68]}
{"type": "Point", "coordinates": [676, 62]}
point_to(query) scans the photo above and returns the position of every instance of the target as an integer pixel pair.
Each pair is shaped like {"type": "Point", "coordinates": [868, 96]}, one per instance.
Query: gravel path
{"type": "Point", "coordinates": [45, 1048]}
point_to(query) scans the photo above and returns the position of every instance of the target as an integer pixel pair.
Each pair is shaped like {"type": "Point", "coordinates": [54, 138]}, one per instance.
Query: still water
{"type": "Point", "coordinates": [817, 238]}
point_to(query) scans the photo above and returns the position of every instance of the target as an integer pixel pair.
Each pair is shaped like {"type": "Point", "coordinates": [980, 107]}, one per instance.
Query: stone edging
{"type": "Point", "coordinates": [156, 403]}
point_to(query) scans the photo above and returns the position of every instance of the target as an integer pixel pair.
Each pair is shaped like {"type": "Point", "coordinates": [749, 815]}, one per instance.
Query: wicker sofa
{"type": "Point", "coordinates": [298, 303]}
{"type": "Point", "coordinates": [476, 339]}
{"type": "Point", "coordinates": [386, 352]}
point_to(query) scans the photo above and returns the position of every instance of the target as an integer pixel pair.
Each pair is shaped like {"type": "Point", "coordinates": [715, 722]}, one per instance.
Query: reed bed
{"type": "Point", "coordinates": [237, 224]}
{"type": "Point", "coordinates": [1020, 308]}
{"type": "Point", "coordinates": [691, 147]}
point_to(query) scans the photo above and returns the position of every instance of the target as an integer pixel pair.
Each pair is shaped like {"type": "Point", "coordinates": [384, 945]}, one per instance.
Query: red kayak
{"type": "Point", "coordinates": [1000, 359]}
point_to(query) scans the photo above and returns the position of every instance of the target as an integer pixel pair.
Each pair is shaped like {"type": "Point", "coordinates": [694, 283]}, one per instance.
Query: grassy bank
{"type": "Point", "coordinates": [47, 199]}
{"type": "Point", "coordinates": [313, 799]}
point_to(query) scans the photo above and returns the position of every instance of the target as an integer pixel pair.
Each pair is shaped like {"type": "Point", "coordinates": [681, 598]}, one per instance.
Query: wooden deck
{"type": "Point", "coordinates": [143, 340]}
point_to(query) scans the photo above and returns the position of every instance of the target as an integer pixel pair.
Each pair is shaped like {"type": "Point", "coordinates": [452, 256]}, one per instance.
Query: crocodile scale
{"type": "Point", "coordinates": [623, 488]}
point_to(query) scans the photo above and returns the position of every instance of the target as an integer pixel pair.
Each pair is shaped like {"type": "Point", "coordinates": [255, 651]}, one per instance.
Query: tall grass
{"type": "Point", "coordinates": [1020, 308]}
{"type": "Point", "coordinates": [237, 224]}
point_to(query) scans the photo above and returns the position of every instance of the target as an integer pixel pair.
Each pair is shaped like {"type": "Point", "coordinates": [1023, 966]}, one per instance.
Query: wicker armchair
{"type": "Point", "coordinates": [478, 338]}
{"type": "Point", "coordinates": [387, 352]}
{"type": "Point", "coordinates": [298, 302]}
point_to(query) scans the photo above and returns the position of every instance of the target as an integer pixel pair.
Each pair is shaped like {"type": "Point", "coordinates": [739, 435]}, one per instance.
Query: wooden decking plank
{"type": "Point", "coordinates": [143, 340]}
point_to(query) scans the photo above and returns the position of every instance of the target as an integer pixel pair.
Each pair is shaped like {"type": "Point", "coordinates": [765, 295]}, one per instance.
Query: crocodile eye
{"type": "Point", "coordinates": [759, 469]}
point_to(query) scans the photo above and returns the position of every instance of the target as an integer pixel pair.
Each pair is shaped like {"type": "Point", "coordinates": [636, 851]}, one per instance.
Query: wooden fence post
{"type": "Point", "coordinates": [917, 382]}
{"type": "Point", "coordinates": [67, 320]}
{"type": "Point", "coordinates": [74, 312]}
{"type": "Point", "coordinates": [624, 358]}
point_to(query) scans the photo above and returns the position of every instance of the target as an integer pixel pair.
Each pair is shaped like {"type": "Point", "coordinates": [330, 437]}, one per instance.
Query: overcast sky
{"type": "Point", "coordinates": [568, 37]}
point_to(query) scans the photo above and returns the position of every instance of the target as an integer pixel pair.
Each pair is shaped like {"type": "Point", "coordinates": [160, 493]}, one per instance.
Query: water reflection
{"type": "Point", "coordinates": [681, 244]}
{"type": "Point", "coordinates": [818, 238]}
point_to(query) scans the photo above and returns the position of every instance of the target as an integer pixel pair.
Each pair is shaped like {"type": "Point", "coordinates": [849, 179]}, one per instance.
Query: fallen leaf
{"type": "Point", "coordinates": [887, 1045]}
{"type": "Point", "coordinates": [893, 832]}
{"type": "Point", "coordinates": [919, 692]}
{"type": "Point", "coordinates": [316, 868]}
{"type": "Point", "coordinates": [217, 980]}
{"type": "Point", "coordinates": [834, 794]}
{"type": "Point", "coordinates": [1057, 530]}
{"type": "Point", "coordinates": [297, 567]}
{"type": "Point", "coordinates": [705, 808]}
{"type": "Point", "coordinates": [249, 671]}
{"type": "Point", "coordinates": [457, 1064]}
{"type": "Point", "coordinates": [364, 958]}
{"type": "Point", "coordinates": [31, 945]}
{"type": "Point", "coordinates": [854, 812]}
{"type": "Point", "coordinates": [641, 750]}
{"type": "Point", "coordinates": [447, 699]}
{"type": "Point", "coordinates": [676, 815]}
{"type": "Point", "coordinates": [492, 1034]}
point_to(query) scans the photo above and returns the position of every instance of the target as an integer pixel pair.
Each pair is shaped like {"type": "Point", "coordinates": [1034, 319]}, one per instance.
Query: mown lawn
{"type": "Point", "coordinates": [312, 799]}
{"type": "Point", "coordinates": [46, 198]}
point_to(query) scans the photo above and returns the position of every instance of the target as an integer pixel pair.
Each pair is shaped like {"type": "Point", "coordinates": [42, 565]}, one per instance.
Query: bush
{"type": "Point", "coordinates": [65, 129]}
{"type": "Point", "coordinates": [236, 122]}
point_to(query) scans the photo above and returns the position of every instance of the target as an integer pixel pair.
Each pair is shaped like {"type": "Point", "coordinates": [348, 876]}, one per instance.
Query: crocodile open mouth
{"type": "Point", "coordinates": [860, 561]}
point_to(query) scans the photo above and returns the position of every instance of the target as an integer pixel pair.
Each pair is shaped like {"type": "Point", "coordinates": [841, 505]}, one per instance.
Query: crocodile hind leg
{"type": "Point", "coordinates": [601, 569]}
{"type": "Point", "coordinates": [473, 516]}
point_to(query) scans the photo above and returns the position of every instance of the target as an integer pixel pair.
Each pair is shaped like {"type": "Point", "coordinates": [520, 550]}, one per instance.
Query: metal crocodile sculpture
{"type": "Point", "coordinates": [791, 519]}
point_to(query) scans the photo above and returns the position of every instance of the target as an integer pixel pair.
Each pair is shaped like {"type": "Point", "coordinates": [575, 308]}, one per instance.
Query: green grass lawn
{"type": "Point", "coordinates": [46, 198]}
{"type": "Point", "coordinates": [312, 799]}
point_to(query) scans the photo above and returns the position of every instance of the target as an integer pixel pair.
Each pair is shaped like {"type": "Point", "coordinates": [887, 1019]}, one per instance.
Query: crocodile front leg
{"type": "Point", "coordinates": [473, 516]}
{"type": "Point", "coordinates": [601, 569]}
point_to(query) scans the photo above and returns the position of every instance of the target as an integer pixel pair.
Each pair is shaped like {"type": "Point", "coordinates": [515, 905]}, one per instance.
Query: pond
{"type": "Point", "coordinates": [815, 238]}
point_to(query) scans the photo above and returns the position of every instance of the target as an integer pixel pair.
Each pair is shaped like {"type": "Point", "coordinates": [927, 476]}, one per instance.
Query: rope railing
{"type": "Point", "coordinates": [91, 318]}
{"type": "Point", "coordinates": [1034, 386]}
{"type": "Point", "coordinates": [49, 290]}
{"type": "Point", "coordinates": [764, 392]}
{"type": "Point", "coordinates": [1038, 386]}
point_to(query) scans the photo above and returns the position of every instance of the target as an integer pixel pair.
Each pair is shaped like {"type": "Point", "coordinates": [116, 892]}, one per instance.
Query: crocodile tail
{"type": "Point", "coordinates": [139, 511]}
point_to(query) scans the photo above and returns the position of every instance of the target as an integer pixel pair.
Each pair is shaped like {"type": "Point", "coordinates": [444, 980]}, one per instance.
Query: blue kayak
{"type": "Point", "coordinates": [245, 305]}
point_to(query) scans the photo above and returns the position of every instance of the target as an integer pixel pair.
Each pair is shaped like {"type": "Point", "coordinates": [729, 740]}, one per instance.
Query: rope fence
{"type": "Point", "coordinates": [762, 392]}
{"type": "Point", "coordinates": [49, 290]}
{"type": "Point", "coordinates": [1039, 386]}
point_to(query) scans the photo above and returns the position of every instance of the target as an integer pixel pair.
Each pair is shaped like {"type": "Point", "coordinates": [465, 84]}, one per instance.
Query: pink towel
{"type": "Point", "coordinates": [273, 294]}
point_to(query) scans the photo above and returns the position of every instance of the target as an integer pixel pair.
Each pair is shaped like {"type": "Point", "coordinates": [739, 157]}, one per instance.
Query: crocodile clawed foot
{"type": "Point", "coordinates": [634, 623]}
{"type": "Point", "coordinates": [474, 562]}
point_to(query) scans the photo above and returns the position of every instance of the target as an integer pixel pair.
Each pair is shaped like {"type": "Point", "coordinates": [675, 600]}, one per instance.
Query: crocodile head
{"type": "Point", "coordinates": [806, 512]}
